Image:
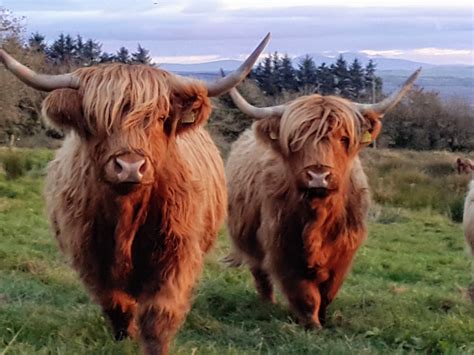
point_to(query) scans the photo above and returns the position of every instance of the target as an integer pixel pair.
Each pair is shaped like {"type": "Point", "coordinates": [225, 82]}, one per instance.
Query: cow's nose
{"type": "Point", "coordinates": [130, 168]}
{"type": "Point", "coordinates": [318, 180]}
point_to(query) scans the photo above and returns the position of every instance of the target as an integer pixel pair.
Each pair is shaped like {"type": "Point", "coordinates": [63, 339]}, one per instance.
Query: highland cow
{"type": "Point", "coordinates": [299, 197]}
{"type": "Point", "coordinates": [136, 195]}
{"type": "Point", "coordinates": [465, 166]}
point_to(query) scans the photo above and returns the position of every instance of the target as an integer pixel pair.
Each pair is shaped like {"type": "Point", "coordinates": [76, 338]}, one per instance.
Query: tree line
{"type": "Point", "coordinates": [75, 51]}
{"type": "Point", "coordinates": [277, 74]}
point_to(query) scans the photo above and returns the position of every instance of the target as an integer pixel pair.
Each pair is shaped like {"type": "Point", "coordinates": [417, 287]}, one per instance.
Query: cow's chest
{"type": "Point", "coordinates": [325, 252]}
{"type": "Point", "coordinates": [128, 270]}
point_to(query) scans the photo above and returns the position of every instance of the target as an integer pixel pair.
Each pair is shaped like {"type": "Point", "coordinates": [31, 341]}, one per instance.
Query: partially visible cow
{"type": "Point", "coordinates": [299, 197]}
{"type": "Point", "coordinates": [464, 165]}
{"type": "Point", "coordinates": [136, 195]}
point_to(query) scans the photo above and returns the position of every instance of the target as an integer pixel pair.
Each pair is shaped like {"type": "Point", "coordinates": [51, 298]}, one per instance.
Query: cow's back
{"type": "Point", "coordinates": [468, 217]}
{"type": "Point", "coordinates": [202, 157]}
{"type": "Point", "coordinates": [244, 173]}
{"type": "Point", "coordinates": [69, 188]}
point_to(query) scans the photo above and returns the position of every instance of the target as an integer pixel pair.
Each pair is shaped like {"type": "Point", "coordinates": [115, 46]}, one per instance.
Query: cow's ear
{"type": "Point", "coordinates": [63, 109]}
{"type": "Point", "coordinates": [188, 110]}
{"type": "Point", "coordinates": [267, 131]}
{"type": "Point", "coordinates": [373, 130]}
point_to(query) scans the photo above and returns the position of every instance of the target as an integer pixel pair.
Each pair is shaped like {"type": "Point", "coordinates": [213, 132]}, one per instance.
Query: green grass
{"type": "Point", "coordinates": [405, 294]}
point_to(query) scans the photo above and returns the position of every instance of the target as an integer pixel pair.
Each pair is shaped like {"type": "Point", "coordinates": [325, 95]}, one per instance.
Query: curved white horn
{"type": "Point", "coordinates": [38, 81]}
{"type": "Point", "coordinates": [223, 85]}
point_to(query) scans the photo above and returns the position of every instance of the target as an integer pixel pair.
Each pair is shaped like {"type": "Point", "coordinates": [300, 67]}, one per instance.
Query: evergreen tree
{"type": "Point", "coordinates": [107, 58]}
{"type": "Point", "coordinates": [57, 51]}
{"type": "Point", "coordinates": [341, 78]}
{"type": "Point", "coordinates": [325, 80]}
{"type": "Point", "coordinates": [306, 75]}
{"type": "Point", "coordinates": [372, 83]}
{"type": "Point", "coordinates": [287, 74]}
{"type": "Point", "coordinates": [141, 56]}
{"type": "Point", "coordinates": [356, 75]}
{"type": "Point", "coordinates": [36, 42]}
{"type": "Point", "coordinates": [79, 50]}
{"type": "Point", "coordinates": [276, 72]}
{"type": "Point", "coordinates": [122, 56]}
{"type": "Point", "coordinates": [69, 49]}
{"type": "Point", "coordinates": [264, 76]}
{"type": "Point", "coordinates": [91, 52]}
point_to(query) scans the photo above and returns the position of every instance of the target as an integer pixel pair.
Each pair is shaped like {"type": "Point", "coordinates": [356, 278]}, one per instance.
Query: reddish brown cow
{"type": "Point", "coordinates": [298, 196]}
{"type": "Point", "coordinates": [136, 195]}
{"type": "Point", "coordinates": [464, 165]}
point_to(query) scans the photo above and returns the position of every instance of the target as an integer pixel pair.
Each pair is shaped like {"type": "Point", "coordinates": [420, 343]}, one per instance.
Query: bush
{"type": "Point", "coordinates": [17, 163]}
{"type": "Point", "coordinates": [456, 210]}
{"type": "Point", "coordinates": [14, 165]}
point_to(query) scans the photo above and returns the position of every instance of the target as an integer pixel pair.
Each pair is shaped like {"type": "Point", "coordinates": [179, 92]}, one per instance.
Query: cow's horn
{"type": "Point", "coordinates": [382, 107]}
{"type": "Point", "coordinates": [257, 113]}
{"type": "Point", "coordinates": [38, 81]}
{"type": "Point", "coordinates": [223, 85]}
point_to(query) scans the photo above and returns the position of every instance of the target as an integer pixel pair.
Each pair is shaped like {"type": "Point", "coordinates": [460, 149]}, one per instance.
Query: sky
{"type": "Point", "coordinates": [185, 31]}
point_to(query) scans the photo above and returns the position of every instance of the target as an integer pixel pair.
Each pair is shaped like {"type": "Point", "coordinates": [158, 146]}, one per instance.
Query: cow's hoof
{"type": "Point", "coordinates": [122, 334]}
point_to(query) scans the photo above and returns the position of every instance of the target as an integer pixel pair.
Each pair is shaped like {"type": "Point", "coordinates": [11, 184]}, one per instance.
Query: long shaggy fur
{"type": "Point", "coordinates": [305, 246]}
{"type": "Point", "coordinates": [139, 254]}
{"type": "Point", "coordinates": [468, 217]}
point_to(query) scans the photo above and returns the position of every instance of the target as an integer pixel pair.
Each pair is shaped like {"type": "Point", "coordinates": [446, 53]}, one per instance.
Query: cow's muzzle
{"type": "Point", "coordinates": [317, 181]}
{"type": "Point", "coordinates": [128, 169]}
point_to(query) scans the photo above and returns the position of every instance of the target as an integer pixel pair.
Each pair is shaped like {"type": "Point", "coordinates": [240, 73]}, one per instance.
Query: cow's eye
{"type": "Point", "coordinates": [345, 142]}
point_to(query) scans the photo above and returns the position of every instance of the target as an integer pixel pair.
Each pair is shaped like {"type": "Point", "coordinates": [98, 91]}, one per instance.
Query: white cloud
{"type": "Point", "coordinates": [191, 59]}
{"type": "Point", "coordinates": [383, 53]}
{"type": "Point", "coordinates": [443, 52]}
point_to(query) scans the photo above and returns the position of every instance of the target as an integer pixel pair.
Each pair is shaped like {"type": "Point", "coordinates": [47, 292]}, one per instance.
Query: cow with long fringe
{"type": "Point", "coordinates": [299, 197]}
{"type": "Point", "coordinates": [465, 166]}
{"type": "Point", "coordinates": [136, 195]}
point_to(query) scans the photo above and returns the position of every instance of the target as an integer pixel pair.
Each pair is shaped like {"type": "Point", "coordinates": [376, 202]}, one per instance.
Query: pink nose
{"type": "Point", "coordinates": [318, 179]}
{"type": "Point", "coordinates": [130, 168]}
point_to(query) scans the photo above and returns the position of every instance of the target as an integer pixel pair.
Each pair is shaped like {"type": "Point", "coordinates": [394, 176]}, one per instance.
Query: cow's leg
{"type": "Point", "coordinates": [164, 303]}
{"type": "Point", "coordinates": [263, 284]}
{"type": "Point", "coordinates": [119, 308]}
{"type": "Point", "coordinates": [158, 322]}
{"type": "Point", "coordinates": [330, 287]}
{"type": "Point", "coordinates": [305, 299]}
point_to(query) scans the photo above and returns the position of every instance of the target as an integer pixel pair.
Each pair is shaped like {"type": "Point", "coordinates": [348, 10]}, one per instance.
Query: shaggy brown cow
{"type": "Point", "coordinates": [136, 195]}
{"type": "Point", "coordinates": [298, 196]}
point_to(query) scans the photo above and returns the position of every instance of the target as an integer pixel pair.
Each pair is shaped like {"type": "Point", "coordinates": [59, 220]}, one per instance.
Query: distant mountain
{"type": "Point", "coordinates": [383, 63]}
{"type": "Point", "coordinates": [209, 67]}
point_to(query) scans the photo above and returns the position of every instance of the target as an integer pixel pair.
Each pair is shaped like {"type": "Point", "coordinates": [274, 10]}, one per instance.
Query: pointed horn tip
{"type": "Point", "coordinates": [414, 76]}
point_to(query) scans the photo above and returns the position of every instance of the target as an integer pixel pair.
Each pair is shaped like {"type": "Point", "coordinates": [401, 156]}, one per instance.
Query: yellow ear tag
{"type": "Point", "coordinates": [190, 118]}
{"type": "Point", "coordinates": [366, 137]}
{"type": "Point", "coordinates": [273, 136]}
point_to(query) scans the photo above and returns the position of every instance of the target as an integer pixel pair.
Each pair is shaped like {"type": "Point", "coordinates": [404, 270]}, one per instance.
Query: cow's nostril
{"type": "Point", "coordinates": [130, 168]}
{"type": "Point", "coordinates": [142, 168]}
{"type": "Point", "coordinates": [117, 166]}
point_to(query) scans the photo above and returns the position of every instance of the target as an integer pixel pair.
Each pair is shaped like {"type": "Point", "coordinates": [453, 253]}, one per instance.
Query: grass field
{"type": "Point", "coordinates": [406, 291]}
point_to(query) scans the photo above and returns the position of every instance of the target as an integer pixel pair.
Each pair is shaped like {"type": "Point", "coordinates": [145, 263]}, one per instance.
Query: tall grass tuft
{"type": "Point", "coordinates": [17, 163]}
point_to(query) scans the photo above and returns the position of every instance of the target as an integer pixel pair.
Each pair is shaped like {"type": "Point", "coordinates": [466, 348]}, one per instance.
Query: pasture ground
{"type": "Point", "coordinates": [406, 292]}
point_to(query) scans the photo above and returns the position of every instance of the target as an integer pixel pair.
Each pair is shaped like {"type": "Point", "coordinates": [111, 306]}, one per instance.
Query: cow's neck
{"type": "Point", "coordinates": [124, 214]}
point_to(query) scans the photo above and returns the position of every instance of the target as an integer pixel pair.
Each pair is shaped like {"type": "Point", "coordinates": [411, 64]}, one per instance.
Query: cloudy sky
{"type": "Point", "coordinates": [185, 31]}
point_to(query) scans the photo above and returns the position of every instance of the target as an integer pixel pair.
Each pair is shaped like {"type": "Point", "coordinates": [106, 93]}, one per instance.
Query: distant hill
{"type": "Point", "coordinates": [383, 63]}
{"type": "Point", "coordinates": [208, 67]}
{"type": "Point", "coordinates": [448, 80]}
